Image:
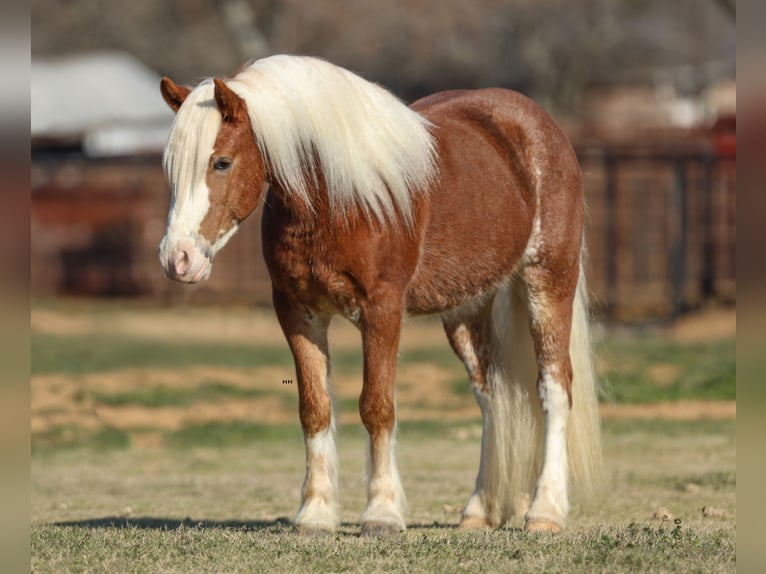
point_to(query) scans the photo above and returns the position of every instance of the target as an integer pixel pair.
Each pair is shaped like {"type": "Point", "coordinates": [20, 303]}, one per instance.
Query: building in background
{"type": "Point", "coordinates": [647, 92]}
{"type": "Point", "coordinates": [103, 104]}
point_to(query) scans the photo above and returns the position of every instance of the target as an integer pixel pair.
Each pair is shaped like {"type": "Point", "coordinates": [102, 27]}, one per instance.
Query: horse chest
{"type": "Point", "coordinates": [310, 270]}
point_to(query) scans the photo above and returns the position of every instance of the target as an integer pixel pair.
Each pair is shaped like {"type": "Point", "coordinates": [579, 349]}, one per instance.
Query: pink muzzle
{"type": "Point", "coordinates": [183, 261]}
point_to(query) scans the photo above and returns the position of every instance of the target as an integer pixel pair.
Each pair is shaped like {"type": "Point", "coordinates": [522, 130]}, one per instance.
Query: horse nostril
{"type": "Point", "coordinates": [181, 264]}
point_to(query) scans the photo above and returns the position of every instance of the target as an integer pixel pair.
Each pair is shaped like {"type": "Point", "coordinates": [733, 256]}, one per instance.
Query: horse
{"type": "Point", "coordinates": [468, 204]}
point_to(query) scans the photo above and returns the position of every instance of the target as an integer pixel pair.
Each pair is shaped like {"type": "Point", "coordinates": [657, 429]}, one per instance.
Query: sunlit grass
{"type": "Point", "coordinates": [94, 353]}
{"type": "Point", "coordinates": [203, 504]}
{"type": "Point", "coordinates": [240, 548]}
{"type": "Point", "coordinates": [649, 368]}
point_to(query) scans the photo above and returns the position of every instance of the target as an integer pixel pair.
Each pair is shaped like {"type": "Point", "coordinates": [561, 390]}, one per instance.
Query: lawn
{"type": "Point", "coordinates": [161, 444]}
{"type": "Point", "coordinates": [205, 507]}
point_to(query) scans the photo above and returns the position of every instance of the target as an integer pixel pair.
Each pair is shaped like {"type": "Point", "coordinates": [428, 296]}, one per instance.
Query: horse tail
{"type": "Point", "coordinates": [514, 430]}
{"type": "Point", "coordinates": [584, 429]}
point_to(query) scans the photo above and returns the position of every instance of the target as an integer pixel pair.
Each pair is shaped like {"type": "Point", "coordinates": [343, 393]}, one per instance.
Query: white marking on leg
{"type": "Point", "coordinates": [386, 502]}
{"type": "Point", "coordinates": [476, 507]}
{"type": "Point", "coordinates": [319, 508]}
{"type": "Point", "coordinates": [551, 501]}
{"type": "Point", "coordinates": [491, 497]}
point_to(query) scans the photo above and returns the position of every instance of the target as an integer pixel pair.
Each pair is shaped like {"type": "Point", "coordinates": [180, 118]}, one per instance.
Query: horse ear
{"type": "Point", "coordinates": [229, 104]}
{"type": "Point", "coordinates": [173, 94]}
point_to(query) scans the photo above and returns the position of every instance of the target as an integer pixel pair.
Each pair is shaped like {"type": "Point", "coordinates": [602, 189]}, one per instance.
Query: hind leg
{"type": "Point", "coordinates": [469, 333]}
{"type": "Point", "coordinates": [550, 301]}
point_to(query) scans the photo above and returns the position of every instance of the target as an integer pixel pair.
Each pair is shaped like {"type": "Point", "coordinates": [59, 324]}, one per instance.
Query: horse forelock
{"type": "Point", "coordinates": [374, 152]}
{"type": "Point", "coordinates": [190, 143]}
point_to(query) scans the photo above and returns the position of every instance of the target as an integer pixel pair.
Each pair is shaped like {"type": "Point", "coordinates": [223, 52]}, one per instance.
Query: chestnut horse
{"type": "Point", "coordinates": [468, 204]}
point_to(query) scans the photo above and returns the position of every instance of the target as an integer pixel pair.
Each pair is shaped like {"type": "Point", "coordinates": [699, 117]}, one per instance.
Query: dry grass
{"type": "Point", "coordinates": [164, 441]}
{"type": "Point", "coordinates": [201, 509]}
{"type": "Point", "coordinates": [102, 368]}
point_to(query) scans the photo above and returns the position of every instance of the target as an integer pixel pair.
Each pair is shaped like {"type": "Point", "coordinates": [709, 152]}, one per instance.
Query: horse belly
{"type": "Point", "coordinates": [480, 220]}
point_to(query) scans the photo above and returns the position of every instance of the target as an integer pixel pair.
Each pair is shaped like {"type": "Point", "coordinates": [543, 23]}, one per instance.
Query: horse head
{"type": "Point", "coordinates": [216, 173]}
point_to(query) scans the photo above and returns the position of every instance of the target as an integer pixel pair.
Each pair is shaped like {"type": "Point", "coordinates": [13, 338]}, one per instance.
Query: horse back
{"type": "Point", "coordinates": [501, 158]}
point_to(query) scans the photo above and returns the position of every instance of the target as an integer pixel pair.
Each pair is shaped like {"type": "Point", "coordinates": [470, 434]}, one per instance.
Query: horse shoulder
{"type": "Point", "coordinates": [336, 264]}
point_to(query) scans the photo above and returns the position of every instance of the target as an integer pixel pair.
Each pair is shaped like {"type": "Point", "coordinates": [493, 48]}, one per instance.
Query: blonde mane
{"type": "Point", "coordinates": [373, 151]}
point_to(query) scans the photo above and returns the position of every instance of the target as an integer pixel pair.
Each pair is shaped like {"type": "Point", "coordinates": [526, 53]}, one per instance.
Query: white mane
{"type": "Point", "coordinates": [374, 152]}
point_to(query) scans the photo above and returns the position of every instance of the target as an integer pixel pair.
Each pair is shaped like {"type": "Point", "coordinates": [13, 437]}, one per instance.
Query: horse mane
{"type": "Point", "coordinates": [190, 143]}
{"type": "Point", "coordinates": [307, 114]}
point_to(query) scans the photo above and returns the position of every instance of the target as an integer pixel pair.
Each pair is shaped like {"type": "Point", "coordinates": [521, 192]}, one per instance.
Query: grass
{"type": "Point", "coordinates": [154, 397]}
{"type": "Point", "coordinates": [632, 365]}
{"type": "Point", "coordinates": [654, 368]}
{"type": "Point", "coordinates": [216, 435]}
{"type": "Point", "coordinates": [204, 548]}
{"type": "Point", "coordinates": [71, 437]}
{"type": "Point", "coordinates": [74, 354]}
{"type": "Point", "coordinates": [205, 506]}
{"type": "Point", "coordinates": [218, 496]}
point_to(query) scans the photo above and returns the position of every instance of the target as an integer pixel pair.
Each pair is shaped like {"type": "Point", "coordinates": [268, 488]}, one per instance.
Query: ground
{"type": "Point", "coordinates": [426, 390]}
{"type": "Point", "coordinates": [167, 440]}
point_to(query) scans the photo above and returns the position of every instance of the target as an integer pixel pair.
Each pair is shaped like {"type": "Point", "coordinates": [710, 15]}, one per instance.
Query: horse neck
{"type": "Point", "coordinates": [308, 212]}
{"type": "Point", "coordinates": [321, 220]}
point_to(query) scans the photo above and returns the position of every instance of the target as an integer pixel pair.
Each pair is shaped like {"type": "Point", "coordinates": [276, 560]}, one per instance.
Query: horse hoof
{"type": "Point", "coordinates": [541, 525]}
{"type": "Point", "coordinates": [475, 523]}
{"type": "Point", "coordinates": [380, 529]}
{"type": "Point", "coordinates": [312, 531]}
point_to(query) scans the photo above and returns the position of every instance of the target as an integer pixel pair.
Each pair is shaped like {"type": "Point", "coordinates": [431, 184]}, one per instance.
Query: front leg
{"type": "Point", "coordinates": [381, 327]}
{"type": "Point", "coordinates": [306, 333]}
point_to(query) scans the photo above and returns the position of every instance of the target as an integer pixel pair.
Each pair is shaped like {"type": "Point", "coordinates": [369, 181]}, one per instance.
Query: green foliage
{"type": "Point", "coordinates": [94, 353]}
{"type": "Point", "coordinates": [669, 428]}
{"type": "Point", "coordinates": [653, 368]}
{"type": "Point", "coordinates": [180, 397]}
{"type": "Point", "coordinates": [230, 434]}
{"type": "Point", "coordinates": [67, 437]}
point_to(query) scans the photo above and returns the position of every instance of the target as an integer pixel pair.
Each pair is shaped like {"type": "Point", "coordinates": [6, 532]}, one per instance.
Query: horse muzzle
{"type": "Point", "coordinates": [183, 261]}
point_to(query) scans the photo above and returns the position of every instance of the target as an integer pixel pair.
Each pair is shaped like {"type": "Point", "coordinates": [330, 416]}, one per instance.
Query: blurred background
{"type": "Point", "coordinates": [645, 89]}
{"type": "Point", "coordinates": [121, 356]}
{"type": "Point", "coordinates": [151, 398]}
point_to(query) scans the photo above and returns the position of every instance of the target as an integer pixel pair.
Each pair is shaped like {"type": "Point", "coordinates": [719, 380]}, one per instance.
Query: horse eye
{"type": "Point", "coordinates": [222, 164]}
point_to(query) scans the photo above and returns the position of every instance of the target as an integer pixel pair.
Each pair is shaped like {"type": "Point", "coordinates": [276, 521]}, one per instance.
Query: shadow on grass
{"type": "Point", "coordinates": [158, 523]}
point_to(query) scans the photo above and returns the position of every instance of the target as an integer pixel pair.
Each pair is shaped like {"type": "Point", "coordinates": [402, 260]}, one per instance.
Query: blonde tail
{"type": "Point", "coordinates": [586, 469]}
